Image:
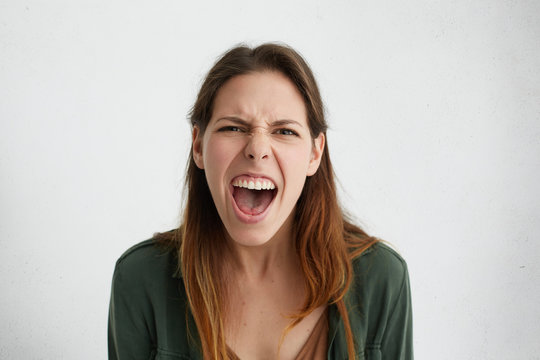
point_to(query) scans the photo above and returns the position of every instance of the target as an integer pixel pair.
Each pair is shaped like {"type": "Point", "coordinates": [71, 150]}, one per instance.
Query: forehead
{"type": "Point", "coordinates": [265, 96]}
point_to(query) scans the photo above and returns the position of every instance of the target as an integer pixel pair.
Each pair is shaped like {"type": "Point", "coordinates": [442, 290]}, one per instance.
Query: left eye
{"type": "Point", "coordinates": [285, 132]}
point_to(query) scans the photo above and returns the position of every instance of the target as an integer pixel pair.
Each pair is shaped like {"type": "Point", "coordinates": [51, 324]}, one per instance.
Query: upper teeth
{"type": "Point", "coordinates": [255, 185]}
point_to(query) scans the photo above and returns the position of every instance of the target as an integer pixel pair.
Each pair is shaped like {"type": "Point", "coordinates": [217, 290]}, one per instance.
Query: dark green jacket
{"type": "Point", "coordinates": [149, 317]}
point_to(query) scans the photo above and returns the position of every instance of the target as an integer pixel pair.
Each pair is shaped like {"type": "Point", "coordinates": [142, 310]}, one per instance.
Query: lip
{"type": "Point", "coordinates": [255, 176]}
{"type": "Point", "coordinates": [245, 218]}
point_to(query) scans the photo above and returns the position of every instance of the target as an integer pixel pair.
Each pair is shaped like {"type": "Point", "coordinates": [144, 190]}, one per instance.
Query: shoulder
{"type": "Point", "coordinates": [380, 303]}
{"type": "Point", "coordinates": [145, 263]}
{"type": "Point", "coordinates": [148, 306]}
{"type": "Point", "coordinates": [381, 261]}
{"type": "Point", "coordinates": [143, 253]}
{"type": "Point", "coordinates": [380, 273]}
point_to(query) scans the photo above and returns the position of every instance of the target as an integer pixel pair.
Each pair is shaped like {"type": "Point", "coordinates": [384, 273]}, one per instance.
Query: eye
{"type": "Point", "coordinates": [286, 132]}
{"type": "Point", "coordinates": [230, 128]}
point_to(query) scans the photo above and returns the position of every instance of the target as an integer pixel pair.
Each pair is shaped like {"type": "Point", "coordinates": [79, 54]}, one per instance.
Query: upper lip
{"type": "Point", "coordinates": [253, 175]}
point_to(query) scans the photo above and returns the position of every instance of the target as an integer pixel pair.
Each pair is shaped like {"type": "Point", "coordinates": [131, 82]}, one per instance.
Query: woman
{"type": "Point", "coordinates": [265, 265]}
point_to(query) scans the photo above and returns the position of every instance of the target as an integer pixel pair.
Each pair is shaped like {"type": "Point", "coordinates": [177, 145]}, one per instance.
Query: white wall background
{"type": "Point", "coordinates": [435, 115]}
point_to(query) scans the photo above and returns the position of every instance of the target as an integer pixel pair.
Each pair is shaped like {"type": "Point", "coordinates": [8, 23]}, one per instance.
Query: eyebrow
{"type": "Point", "coordinates": [274, 123]}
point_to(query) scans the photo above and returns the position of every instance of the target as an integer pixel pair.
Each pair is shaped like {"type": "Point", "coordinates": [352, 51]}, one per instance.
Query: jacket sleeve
{"type": "Point", "coordinates": [397, 339]}
{"type": "Point", "coordinates": [128, 334]}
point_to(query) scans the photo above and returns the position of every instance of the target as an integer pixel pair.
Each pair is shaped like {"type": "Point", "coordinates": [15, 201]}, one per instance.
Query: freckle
{"type": "Point", "coordinates": [243, 303]}
{"type": "Point", "coordinates": [245, 324]}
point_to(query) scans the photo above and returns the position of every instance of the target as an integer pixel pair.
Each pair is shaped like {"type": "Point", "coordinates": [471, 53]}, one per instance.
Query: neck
{"type": "Point", "coordinates": [257, 263]}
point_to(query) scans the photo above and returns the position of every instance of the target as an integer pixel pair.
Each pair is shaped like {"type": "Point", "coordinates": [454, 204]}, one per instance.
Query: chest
{"type": "Point", "coordinates": [257, 320]}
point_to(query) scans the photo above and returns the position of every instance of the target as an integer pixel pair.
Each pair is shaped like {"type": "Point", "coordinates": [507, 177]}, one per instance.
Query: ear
{"type": "Point", "coordinates": [196, 138]}
{"type": "Point", "coordinates": [316, 154]}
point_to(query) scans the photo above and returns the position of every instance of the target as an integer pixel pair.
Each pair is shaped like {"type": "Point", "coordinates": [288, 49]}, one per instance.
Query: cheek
{"type": "Point", "coordinates": [295, 161]}
{"type": "Point", "coordinates": [216, 154]}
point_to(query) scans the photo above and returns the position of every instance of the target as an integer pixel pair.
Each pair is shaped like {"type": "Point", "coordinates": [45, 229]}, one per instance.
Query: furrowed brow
{"type": "Point", "coordinates": [285, 122]}
{"type": "Point", "coordinates": [233, 119]}
{"type": "Point", "coordinates": [277, 123]}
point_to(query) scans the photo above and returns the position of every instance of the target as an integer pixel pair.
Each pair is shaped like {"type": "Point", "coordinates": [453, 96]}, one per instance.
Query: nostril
{"type": "Point", "coordinates": [256, 151]}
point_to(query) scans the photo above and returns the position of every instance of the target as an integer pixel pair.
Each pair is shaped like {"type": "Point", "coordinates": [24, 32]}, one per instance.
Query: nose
{"type": "Point", "coordinates": [258, 146]}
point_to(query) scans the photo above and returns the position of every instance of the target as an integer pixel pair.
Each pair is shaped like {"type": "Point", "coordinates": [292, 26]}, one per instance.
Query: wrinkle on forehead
{"type": "Point", "coordinates": [260, 97]}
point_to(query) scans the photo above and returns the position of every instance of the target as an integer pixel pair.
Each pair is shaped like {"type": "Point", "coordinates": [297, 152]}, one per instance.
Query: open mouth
{"type": "Point", "coordinates": [253, 195]}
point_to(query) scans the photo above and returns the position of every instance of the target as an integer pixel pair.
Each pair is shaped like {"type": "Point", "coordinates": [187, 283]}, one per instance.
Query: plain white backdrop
{"type": "Point", "coordinates": [434, 109]}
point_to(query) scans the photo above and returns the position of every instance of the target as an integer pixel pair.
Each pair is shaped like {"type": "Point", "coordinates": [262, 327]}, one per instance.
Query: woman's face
{"type": "Point", "coordinates": [256, 153]}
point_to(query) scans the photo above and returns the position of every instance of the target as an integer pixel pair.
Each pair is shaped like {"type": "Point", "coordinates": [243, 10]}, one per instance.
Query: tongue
{"type": "Point", "coordinates": [252, 202]}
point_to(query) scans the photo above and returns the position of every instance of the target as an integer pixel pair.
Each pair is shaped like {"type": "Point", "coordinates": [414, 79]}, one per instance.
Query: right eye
{"type": "Point", "coordinates": [230, 128]}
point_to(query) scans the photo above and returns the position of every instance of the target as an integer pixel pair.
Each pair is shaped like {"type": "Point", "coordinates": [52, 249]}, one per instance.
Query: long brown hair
{"type": "Point", "coordinates": [326, 242]}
